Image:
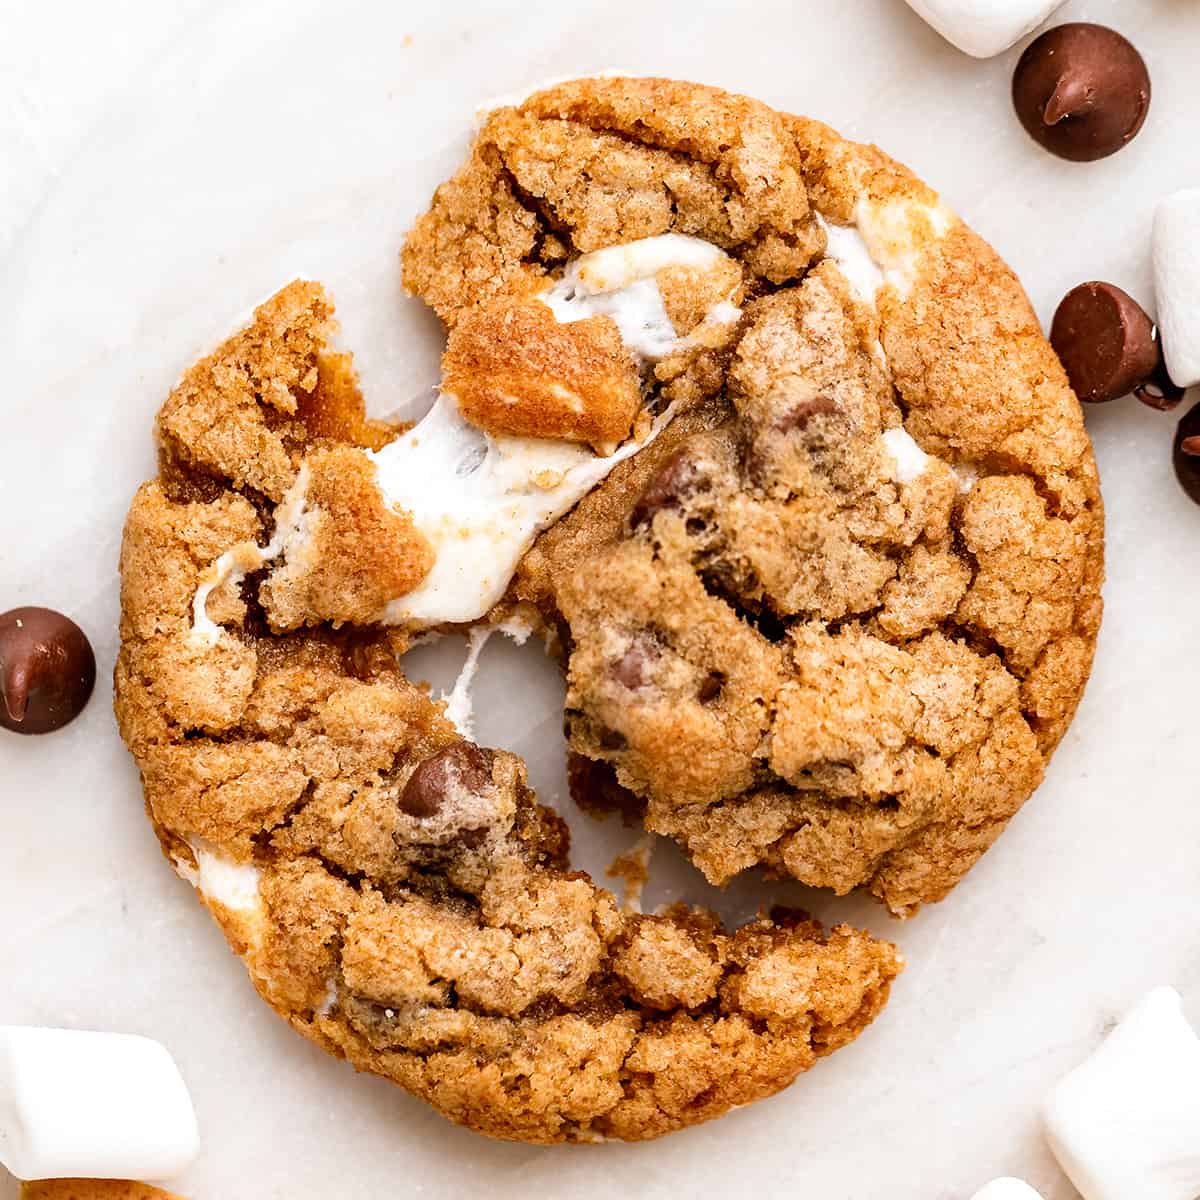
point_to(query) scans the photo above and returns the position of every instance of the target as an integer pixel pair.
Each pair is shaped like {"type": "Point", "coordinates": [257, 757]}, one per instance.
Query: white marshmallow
{"type": "Point", "coordinates": [1177, 283]}
{"type": "Point", "coordinates": [481, 500]}
{"type": "Point", "coordinates": [911, 461]}
{"type": "Point", "coordinates": [220, 879]}
{"type": "Point", "coordinates": [620, 282]}
{"type": "Point", "coordinates": [460, 711]}
{"type": "Point", "coordinates": [92, 1105]}
{"type": "Point", "coordinates": [1126, 1124]}
{"type": "Point", "coordinates": [983, 28]}
{"type": "Point", "coordinates": [848, 250]}
{"type": "Point", "coordinates": [1007, 1188]}
{"type": "Point", "coordinates": [291, 532]}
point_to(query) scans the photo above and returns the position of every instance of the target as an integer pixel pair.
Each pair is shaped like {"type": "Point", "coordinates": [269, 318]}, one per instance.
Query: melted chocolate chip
{"type": "Point", "coordinates": [631, 669]}
{"type": "Point", "coordinates": [1081, 91]}
{"type": "Point", "coordinates": [678, 478]}
{"type": "Point", "coordinates": [1106, 342]}
{"type": "Point", "coordinates": [711, 686]}
{"type": "Point", "coordinates": [612, 739]}
{"type": "Point", "coordinates": [594, 787]}
{"type": "Point", "coordinates": [1187, 452]}
{"type": "Point", "coordinates": [799, 415]}
{"type": "Point", "coordinates": [47, 670]}
{"type": "Point", "coordinates": [1160, 391]}
{"type": "Point", "coordinates": [461, 765]}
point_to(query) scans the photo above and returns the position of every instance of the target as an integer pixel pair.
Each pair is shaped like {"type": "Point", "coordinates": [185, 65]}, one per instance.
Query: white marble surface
{"type": "Point", "coordinates": [163, 166]}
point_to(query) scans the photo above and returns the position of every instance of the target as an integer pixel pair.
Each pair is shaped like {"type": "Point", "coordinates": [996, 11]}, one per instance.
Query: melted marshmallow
{"type": "Point", "coordinates": [291, 530]}
{"type": "Point", "coordinates": [879, 247]}
{"type": "Point", "coordinates": [619, 282]}
{"type": "Point", "coordinates": [218, 878]}
{"type": "Point", "coordinates": [481, 500]}
{"type": "Point", "coordinates": [886, 231]}
{"type": "Point", "coordinates": [460, 711]}
{"type": "Point", "coordinates": [909, 458]}
{"type": "Point", "coordinates": [846, 247]}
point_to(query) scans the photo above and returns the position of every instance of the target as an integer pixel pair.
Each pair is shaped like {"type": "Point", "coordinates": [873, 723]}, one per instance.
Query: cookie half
{"type": "Point", "coordinates": [397, 893]}
{"type": "Point", "coordinates": [835, 620]}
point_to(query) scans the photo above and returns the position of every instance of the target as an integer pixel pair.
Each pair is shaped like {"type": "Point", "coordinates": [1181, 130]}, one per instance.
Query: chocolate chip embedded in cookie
{"type": "Point", "coordinates": [461, 768]}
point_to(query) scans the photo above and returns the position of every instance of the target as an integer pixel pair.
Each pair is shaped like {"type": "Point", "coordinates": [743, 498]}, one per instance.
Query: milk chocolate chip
{"type": "Point", "coordinates": [1106, 342]}
{"type": "Point", "coordinates": [632, 669]}
{"type": "Point", "coordinates": [1081, 91]}
{"type": "Point", "coordinates": [1187, 452]}
{"type": "Point", "coordinates": [47, 670]}
{"type": "Point", "coordinates": [460, 765]}
{"type": "Point", "coordinates": [676, 479]}
{"type": "Point", "coordinates": [799, 415]}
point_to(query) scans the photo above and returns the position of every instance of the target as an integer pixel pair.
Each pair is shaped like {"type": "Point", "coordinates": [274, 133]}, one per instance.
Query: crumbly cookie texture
{"type": "Point", "coordinates": [93, 1189]}
{"type": "Point", "coordinates": [833, 619]}
{"type": "Point", "coordinates": [516, 369]}
{"type": "Point", "coordinates": [771, 552]}
{"type": "Point", "coordinates": [397, 893]}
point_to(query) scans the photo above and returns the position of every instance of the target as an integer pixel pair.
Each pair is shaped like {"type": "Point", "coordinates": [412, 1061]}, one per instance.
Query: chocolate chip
{"type": "Point", "coordinates": [711, 686]}
{"type": "Point", "coordinates": [1187, 452]}
{"type": "Point", "coordinates": [799, 415]}
{"type": "Point", "coordinates": [612, 739]}
{"type": "Point", "coordinates": [668, 487]}
{"type": "Point", "coordinates": [1081, 91]}
{"type": "Point", "coordinates": [1160, 391]}
{"type": "Point", "coordinates": [630, 670]}
{"type": "Point", "coordinates": [460, 765]}
{"type": "Point", "coordinates": [47, 670]}
{"type": "Point", "coordinates": [1106, 342]}
{"type": "Point", "coordinates": [594, 787]}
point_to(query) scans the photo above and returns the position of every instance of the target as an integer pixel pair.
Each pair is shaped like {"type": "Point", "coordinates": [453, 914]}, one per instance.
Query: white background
{"type": "Point", "coordinates": [165, 165]}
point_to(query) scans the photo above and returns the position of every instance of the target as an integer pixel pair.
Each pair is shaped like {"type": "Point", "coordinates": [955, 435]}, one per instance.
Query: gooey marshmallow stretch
{"type": "Point", "coordinates": [75, 1104]}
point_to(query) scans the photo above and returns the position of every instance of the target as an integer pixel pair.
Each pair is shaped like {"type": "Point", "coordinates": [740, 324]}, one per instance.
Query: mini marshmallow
{"type": "Point", "coordinates": [1126, 1123]}
{"type": "Point", "coordinates": [1007, 1188]}
{"type": "Point", "coordinates": [92, 1105]}
{"type": "Point", "coordinates": [983, 28]}
{"type": "Point", "coordinates": [1177, 282]}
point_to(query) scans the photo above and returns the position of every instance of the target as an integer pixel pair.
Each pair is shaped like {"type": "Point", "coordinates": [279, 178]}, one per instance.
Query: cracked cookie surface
{"type": "Point", "coordinates": [880, 489]}
{"type": "Point", "coordinates": [396, 892]}
{"type": "Point", "coordinates": [831, 618]}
